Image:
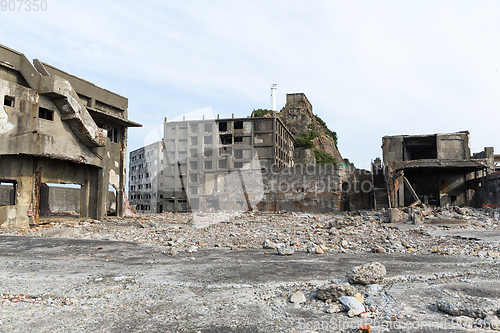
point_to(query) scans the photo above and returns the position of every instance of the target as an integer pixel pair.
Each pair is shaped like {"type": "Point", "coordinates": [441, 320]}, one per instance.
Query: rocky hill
{"type": "Point", "coordinates": [314, 142]}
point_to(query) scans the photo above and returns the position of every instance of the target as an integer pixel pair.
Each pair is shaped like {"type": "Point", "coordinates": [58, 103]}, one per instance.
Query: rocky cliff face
{"type": "Point", "coordinates": [298, 116]}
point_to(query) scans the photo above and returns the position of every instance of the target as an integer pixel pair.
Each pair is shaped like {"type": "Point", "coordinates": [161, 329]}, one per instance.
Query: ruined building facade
{"type": "Point", "coordinates": [435, 169]}
{"type": "Point", "coordinates": [198, 154]}
{"type": "Point", "coordinates": [146, 181]}
{"type": "Point", "coordinates": [57, 128]}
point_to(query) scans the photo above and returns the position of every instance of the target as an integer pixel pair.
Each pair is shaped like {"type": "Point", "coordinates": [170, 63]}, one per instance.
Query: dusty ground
{"type": "Point", "coordinates": [188, 273]}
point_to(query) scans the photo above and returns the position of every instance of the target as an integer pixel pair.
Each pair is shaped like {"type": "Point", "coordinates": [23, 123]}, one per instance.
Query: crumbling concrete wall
{"type": "Point", "coordinates": [434, 169]}
{"type": "Point", "coordinates": [313, 188]}
{"type": "Point", "coordinates": [53, 129]}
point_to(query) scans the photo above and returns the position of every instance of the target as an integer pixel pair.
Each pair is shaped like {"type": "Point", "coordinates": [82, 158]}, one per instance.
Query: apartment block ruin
{"type": "Point", "coordinates": [198, 153]}
{"type": "Point", "coordinates": [57, 128]}
{"type": "Point", "coordinates": [437, 170]}
{"type": "Point", "coordinates": [146, 178]}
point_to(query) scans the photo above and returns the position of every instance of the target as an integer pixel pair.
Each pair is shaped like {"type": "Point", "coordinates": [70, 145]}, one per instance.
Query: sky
{"type": "Point", "coordinates": [369, 68]}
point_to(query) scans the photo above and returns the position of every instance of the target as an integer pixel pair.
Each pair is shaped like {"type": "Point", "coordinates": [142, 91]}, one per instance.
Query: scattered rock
{"type": "Point", "coordinates": [298, 297]}
{"type": "Point", "coordinates": [469, 306]}
{"type": "Point", "coordinates": [344, 243]}
{"type": "Point", "coordinates": [359, 297]}
{"type": "Point", "coordinates": [267, 244]}
{"type": "Point", "coordinates": [365, 328]}
{"type": "Point", "coordinates": [333, 308]}
{"type": "Point", "coordinates": [464, 211]}
{"type": "Point", "coordinates": [284, 250]}
{"type": "Point", "coordinates": [171, 251]}
{"type": "Point", "coordinates": [352, 304]}
{"type": "Point", "coordinates": [373, 289]}
{"type": "Point", "coordinates": [370, 273]}
{"type": "Point", "coordinates": [324, 248]}
{"type": "Point", "coordinates": [437, 249]}
{"type": "Point", "coordinates": [378, 250]}
{"type": "Point", "coordinates": [319, 250]}
{"type": "Point", "coordinates": [334, 292]}
{"type": "Point", "coordinates": [493, 254]}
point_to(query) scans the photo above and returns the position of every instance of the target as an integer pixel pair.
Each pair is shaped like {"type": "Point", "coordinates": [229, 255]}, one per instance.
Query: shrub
{"type": "Point", "coordinates": [323, 157]}
{"type": "Point", "coordinates": [259, 112]}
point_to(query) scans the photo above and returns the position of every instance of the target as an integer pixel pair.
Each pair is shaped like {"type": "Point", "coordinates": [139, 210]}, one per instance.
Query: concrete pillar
{"type": "Point", "coordinates": [84, 197]}
{"type": "Point", "coordinates": [24, 198]}
{"type": "Point", "coordinates": [401, 192]}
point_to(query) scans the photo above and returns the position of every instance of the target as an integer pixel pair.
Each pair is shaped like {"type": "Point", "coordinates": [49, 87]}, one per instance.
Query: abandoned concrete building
{"type": "Point", "coordinates": [198, 153]}
{"type": "Point", "coordinates": [146, 178]}
{"type": "Point", "coordinates": [437, 170]}
{"type": "Point", "coordinates": [57, 128]}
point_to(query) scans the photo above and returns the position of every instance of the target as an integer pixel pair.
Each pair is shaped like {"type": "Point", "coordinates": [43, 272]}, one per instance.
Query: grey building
{"type": "Point", "coordinates": [145, 178]}
{"type": "Point", "coordinates": [435, 169]}
{"type": "Point", "coordinates": [57, 128]}
{"type": "Point", "coordinates": [199, 153]}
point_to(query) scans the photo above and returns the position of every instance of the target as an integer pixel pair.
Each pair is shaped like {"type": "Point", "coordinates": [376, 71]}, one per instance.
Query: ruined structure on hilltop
{"type": "Point", "coordinates": [307, 128]}
{"type": "Point", "coordinates": [57, 128]}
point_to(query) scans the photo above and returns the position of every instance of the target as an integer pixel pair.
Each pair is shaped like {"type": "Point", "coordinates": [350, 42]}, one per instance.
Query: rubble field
{"type": "Point", "coordinates": [399, 270]}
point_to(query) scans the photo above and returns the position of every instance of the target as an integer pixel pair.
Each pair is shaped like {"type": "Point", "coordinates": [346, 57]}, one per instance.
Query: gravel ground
{"type": "Point", "coordinates": [209, 272]}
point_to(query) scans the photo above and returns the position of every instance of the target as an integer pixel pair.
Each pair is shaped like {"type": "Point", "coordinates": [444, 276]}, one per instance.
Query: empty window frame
{"type": "Point", "coordinates": [208, 128]}
{"type": "Point", "coordinates": [226, 139]}
{"type": "Point", "coordinates": [238, 139]}
{"type": "Point", "coordinates": [44, 113]}
{"type": "Point", "coordinates": [194, 140]}
{"type": "Point", "coordinates": [207, 140]}
{"type": "Point", "coordinates": [223, 126]}
{"type": "Point", "coordinates": [420, 148]}
{"type": "Point", "coordinates": [7, 193]}
{"type": "Point", "coordinates": [208, 152]}
{"type": "Point", "coordinates": [238, 125]}
{"type": "Point", "coordinates": [8, 101]}
{"type": "Point", "coordinates": [113, 137]}
{"type": "Point", "coordinates": [208, 165]}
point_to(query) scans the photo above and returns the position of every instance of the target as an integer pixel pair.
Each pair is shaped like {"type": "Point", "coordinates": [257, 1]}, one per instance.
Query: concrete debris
{"type": "Point", "coordinates": [171, 252]}
{"type": "Point", "coordinates": [214, 276]}
{"type": "Point", "coordinates": [284, 250]}
{"type": "Point", "coordinates": [298, 297]}
{"type": "Point", "coordinates": [359, 297]}
{"type": "Point", "coordinates": [373, 289]}
{"type": "Point", "coordinates": [474, 307]}
{"type": "Point", "coordinates": [436, 249]}
{"type": "Point", "coordinates": [267, 244]}
{"type": "Point", "coordinates": [333, 308]}
{"type": "Point", "coordinates": [367, 274]}
{"type": "Point", "coordinates": [352, 304]}
{"type": "Point", "coordinates": [334, 292]}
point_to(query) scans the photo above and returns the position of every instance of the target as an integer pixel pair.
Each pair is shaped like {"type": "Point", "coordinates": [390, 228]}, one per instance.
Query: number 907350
{"type": "Point", "coordinates": [23, 5]}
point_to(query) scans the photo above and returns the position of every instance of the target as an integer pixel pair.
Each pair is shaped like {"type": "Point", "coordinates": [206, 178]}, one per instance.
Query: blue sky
{"type": "Point", "coordinates": [370, 68]}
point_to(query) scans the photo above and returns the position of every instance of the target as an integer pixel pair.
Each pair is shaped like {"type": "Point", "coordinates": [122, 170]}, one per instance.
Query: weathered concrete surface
{"type": "Point", "coordinates": [125, 286]}
{"type": "Point", "coordinates": [53, 129]}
